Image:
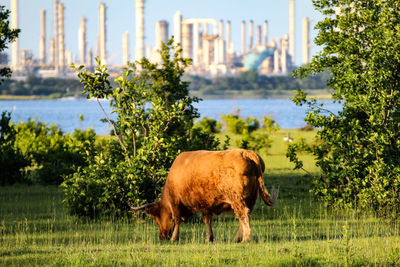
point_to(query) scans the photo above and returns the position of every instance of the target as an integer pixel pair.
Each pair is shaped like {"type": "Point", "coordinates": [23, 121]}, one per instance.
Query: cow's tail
{"type": "Point", "coordinates": [268, 199]}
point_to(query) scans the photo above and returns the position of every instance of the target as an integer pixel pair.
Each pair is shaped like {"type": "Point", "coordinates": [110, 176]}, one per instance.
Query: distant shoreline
{"type": "Point", "coordinates": [275, 94]}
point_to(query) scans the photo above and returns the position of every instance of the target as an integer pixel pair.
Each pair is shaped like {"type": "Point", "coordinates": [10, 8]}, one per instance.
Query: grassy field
{"type": "Point", "coordinates": [35, 229]}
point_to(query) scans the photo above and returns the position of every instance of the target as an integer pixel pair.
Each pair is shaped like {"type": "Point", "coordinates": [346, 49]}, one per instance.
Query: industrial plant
{"type": "Point", "coordinates": [207, 41]}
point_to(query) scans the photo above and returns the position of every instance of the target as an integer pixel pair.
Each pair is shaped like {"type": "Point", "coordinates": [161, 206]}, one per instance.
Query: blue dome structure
{"type": "Point", "coordinates": [253, 60]}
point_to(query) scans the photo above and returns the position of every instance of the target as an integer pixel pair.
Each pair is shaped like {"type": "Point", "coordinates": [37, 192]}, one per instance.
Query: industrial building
{"type": "Point", "coordinates": [207, 41]}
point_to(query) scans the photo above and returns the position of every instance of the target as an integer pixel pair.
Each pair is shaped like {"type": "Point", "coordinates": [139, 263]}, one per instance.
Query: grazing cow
{"type": "Point", "coordinates": [210, 182]}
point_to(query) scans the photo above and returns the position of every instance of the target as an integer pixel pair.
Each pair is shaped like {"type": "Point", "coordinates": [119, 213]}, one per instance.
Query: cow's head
{"type": "Point", "coordinates": [161, 216]}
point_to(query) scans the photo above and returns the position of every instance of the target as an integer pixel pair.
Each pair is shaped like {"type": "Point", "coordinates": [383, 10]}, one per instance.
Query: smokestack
{"type": "Point", "coordinates": [229, 47]}
{"type": "Point", "coordinates": [216, 44]}
{"type": "Point", "coordinates": [228, 35]}
{"type": "Point", "coordinates": [276, 61]}
{"type": "Point", "coordinates": [42, 44]}
{"type": "Point", "coordinates": [251, 34]}
{"type": "Point", "coordinates": [196, 43]}
{"type": "Point", "coordinates": [221, 48]}
{"type": "Point", "coordinates": [187, 31]}
{"type": "Point", "coordinates": [68, 57]}
{"type": "Point", "coordinates": [61, 36]}
{"type": "Point", "coordinates": [206, 51]}
{"type": "Point", "coordinates": [306, 41]}
{"type": "Point", "coordinates": [82, 40]}
{"type": "Point", "coordinates": [125, 48]}
{"type": "Point", "coordinates": [266, 32]}
{"type": "Point", "coordinates": [292, 37]}
{"type": "Point", "coordinates": [102, 34]}
{"type": "Point", "coordinates": [258, 35]}
{"type": "Point", "coordinates": [140, 49]}
{"type": "Point", "coordinates": [243, 37]}
{"type": "Point", "coordinates": [284, 52]}
{"type": "Point", "coordinates": [161, 33]}
{"type": "Point", "coordinates": [178, 27]}
{"type": "Point", "coordinates": [15, 43]}
{"type": "Point", "coordinates": [52, 51]}
{"type": "Point", "coordinates": [56, 29]}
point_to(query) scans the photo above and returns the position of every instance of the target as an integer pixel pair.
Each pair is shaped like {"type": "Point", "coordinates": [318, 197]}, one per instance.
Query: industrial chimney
{"type": "Point", "coordinates": [266, 32]}
{"type": "Point", "coordinates": [292, 37]}
{"type": "Point", "coordinates": [82, 41]}
{"type": "Point", "coordinates": [56, 35]}
{"type": "Point", "coordinates": [61, 37]}
{"type": "Point", "coordinates": [42, 44]}
{"type": "Point", "coordinates": [251, 34]}
{"type": "Point", "coordinates": [140, 49]}
{"type": "Point", "coordinates": [15, 44]}
{"type": "Point", "coordinates": [243, 37]}
{"type": "Point", "coordinates": [161, 33]}
{"type": "Point", "coordinates": [178, 27]}
{"type": "Point", "coordinates": [306, 41]}
{"type": "Point", "coordinates": [125, 48]}
{"type": "Point", "coordinates": [102, 34]}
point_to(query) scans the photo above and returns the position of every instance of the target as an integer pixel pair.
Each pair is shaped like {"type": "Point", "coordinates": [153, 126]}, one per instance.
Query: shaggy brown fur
{"type": "Point", "coordinates": [210, 182]}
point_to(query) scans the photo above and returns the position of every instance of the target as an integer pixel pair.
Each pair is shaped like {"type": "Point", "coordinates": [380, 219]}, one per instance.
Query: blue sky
{"type": "Point", "coordinates": [121, 18]}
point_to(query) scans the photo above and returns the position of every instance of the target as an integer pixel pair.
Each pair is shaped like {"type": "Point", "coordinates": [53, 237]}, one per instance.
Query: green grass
{"type": "Point", "coordinates": [36, 229]}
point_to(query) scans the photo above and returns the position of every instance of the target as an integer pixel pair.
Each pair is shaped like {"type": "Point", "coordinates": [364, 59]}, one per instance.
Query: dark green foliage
{"type": "Point", "coordinates": [7, 35]}
{"type": "Point", "coordinates": [155, 119]}
{"type": "Point", "coordinates": [252, 81]}
{"type": "Point", "coordinates": [52, 87]}
{"type": "Point", "coordinates": [51, 153]}
{"type": "Point", "coordinates": [358, 150]}
{"type": "Point", "coordinates": [208, 125]}
{"type": "Point", "coordinates": [11, 159]}
{"type": "Point", "coordinates": [36, 153]}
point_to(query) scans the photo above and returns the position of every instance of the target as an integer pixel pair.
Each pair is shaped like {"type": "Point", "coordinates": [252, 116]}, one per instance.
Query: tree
{"type": "Point", "coordinates": [154, 123]}
{"type": "Point", "coordinates": [7, 35]}
{"type": "Point", "coordinates": [358, 149]}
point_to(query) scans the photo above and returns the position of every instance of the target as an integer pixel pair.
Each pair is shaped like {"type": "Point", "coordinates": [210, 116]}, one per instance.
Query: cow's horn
{"type": "Point", "coordinates": [142, 207]}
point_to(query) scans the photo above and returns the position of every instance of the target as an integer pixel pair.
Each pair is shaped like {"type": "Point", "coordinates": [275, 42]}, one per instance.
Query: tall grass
{"type": "Point", "coordinates": [36, 229]}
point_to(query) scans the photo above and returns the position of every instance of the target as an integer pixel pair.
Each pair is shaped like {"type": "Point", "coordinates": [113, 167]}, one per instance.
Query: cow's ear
{"type": "Point", "coordinates": [154, 210]}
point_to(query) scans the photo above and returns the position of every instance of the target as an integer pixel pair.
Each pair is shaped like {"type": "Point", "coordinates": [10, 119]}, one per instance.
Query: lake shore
{"type": "Point", "coordinates": [228, 94]}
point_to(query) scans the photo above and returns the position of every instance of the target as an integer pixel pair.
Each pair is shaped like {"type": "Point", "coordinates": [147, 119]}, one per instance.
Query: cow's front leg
{"type": "Point", "coordinates": [175, 233]}
{"type": "Point", "coordinates": [239, 234]}
{"type": "Point", "coordinates": [207, 219]}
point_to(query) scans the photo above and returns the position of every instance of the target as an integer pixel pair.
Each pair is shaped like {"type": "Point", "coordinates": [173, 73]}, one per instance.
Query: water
{"type": "Point", "coordinates": [65, 113]}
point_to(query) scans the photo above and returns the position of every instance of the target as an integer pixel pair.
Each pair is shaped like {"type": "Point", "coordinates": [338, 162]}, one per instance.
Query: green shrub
{"type": "Point", "coordinates": [252, 136]}
{"type": "Point", "coordinates": [208, 125]}
{"type": "Point", "coordinates": [50, 153]}
{"type": "Point", "coordinates": [155, 122]}
{"type": "Point", "coordinates": [11, 159]}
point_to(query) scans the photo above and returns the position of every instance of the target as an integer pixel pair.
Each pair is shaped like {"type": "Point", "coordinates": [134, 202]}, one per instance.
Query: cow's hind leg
{"type": "Point", "coordinates": [207, 219]}
{"type": "Point", "coordinates": [243, 214]}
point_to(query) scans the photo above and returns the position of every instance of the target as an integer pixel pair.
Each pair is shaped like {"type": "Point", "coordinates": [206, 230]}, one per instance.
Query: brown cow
{"type": "Point", "coordinates": [210, 182]}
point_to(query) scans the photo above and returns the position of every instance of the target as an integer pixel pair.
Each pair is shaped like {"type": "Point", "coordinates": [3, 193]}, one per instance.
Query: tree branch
{"type": "Point", "coordinates": [115, 130]}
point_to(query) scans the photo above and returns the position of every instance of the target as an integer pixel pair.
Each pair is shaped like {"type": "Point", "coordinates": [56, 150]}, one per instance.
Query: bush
{"type": "Point", "coordinates": [252, 136]}
{"type": "Point", "coordinates": [50, 153]}
{"type": "Point", "coordinates": [208, 125]}
{"type": "Point", "coordinates": [155, 122]}
{"type": "Point", "coordinates": [36, 153]}
{"type": "Point", "coordinates": [11, 159]}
